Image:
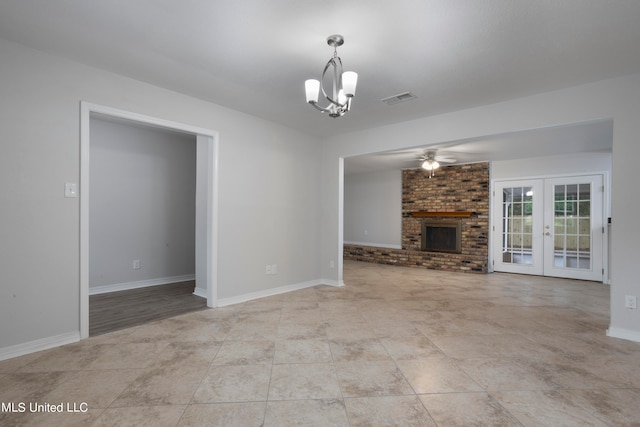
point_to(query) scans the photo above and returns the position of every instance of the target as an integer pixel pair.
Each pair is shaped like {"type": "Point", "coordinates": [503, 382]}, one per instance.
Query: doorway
{"type": "Point", "coordinates": [206, 202]}
{"type": "Point", "coordinates": [550, 227]}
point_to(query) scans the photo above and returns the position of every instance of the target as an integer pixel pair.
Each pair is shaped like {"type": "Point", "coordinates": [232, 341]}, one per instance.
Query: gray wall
{"type": "Point", "coordinates": [269, 209]}
{"type": "Point", "coordinates": [373, 208]}
{"type": "Point", "coordinates": [142, 204]}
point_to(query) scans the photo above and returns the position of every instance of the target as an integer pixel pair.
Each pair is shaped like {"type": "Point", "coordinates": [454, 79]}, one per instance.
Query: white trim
{"type": "Point", "coordinates": [212, 140]}
{"type": "Point", "coordinates": [553, 175]}
{"type": "Point", "coordinates": [625, 334]}
{"type": "Point", "coordinates": [334, 283]}
{"type": "Point", "coordinates": [199, 292]}
{"type": "Point", "coordinates": [271, 292]}
{"type": "Point", "coordinates": [374, 245]}
{"type": "Point", "coordinates": [340, 260]}
{"type": "Point", "coordinates": [140, 284]}
{"type": "Point", "coordinates": [38, 345]}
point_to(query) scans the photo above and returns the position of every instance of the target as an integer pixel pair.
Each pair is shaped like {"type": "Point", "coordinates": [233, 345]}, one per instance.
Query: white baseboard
{"type": "Point", "coordinates": [329, 282]}
{"type": "Point", "coordinates": [38, 345]}
{"type": "Point", "coordinates": [625, 334]}
{"type": "Point", "coordinates": [275, 291]}
{"type": "Point", "coordinates": [374, 245]}
{"type": "Point", "coordinates": [140, 284]}
{"type": "Point", "coordinates": [199, 292]}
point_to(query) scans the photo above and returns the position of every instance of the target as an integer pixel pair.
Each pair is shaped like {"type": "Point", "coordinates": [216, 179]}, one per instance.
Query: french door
{"type": "Point", "coordinates": [551, 227]}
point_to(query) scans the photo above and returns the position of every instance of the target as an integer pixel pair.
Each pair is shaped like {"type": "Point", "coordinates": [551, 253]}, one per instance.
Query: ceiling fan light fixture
{"type": "Point", "coordinates": [430, 165]}
{"type": "Point", "coordinates": [343, 84]}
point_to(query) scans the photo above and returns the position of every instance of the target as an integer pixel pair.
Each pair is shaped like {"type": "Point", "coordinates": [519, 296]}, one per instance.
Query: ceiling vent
{"type": "Point", "coordinates": [401, 97]}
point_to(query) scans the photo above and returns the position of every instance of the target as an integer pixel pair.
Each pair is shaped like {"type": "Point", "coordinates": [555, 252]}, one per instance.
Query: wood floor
{"type": "Point", "coordinates": [119, 310]}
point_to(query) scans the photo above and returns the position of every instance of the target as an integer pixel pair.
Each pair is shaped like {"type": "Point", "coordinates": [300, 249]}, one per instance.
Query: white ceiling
{"type": "Point", "coordinates": [254, 55]}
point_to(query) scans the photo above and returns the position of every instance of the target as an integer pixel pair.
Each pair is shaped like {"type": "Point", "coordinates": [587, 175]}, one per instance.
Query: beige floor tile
{"type": "Point", "coordinates": [31, 387]}
{"type": "Point", "coordinates": [127, 355]}
{"type": "Point", "coordinates": [72, 357]}
{"type": "Point", "coordinates": [150, 416]}
{"type": "Point", "coordinates": [351, 350]}
{"type": "Point", "coordinates": [245, 414]}
{"type": "Point", "coordinates": [159, 386]}
{"type": "Point", "coordinates": [302, 351]}
{"type": "Point", "coordinates": [15, 364]}
{"type": "Point", "coordinates": [388, 411]}
{"type": "Point", "coordinates": [245, 353]}
{"type": "Point", "coordinates": [304, 381]}
{"type": "Point", "coordinates": [98, 389]}
{"type": "Point", "coordinates": [489, 346]}
{"type": "Point", "coordinates": [347, 329]}
{"type": "Point", "coordinates": [457, 327]}
{"type": "Point", "coordinates": [616, 371]}
{"type": "Point", "coordinates": [546, 408]}
{"type": "Point", "coordinates": [253, 331]}
{"type": "Point", "coordinates": [234, 383]}
{"type": "Point", "coordinates": [437, 375]}
{"type": "Point", "coordinates": [411, 347]}
{"type": "Point", "coordinates": [38, 419]}
{"type": "Point", "coordinates": [299, 413]}
{"type": "Point", "coordinates": [180, 354]}
{"type": "Point", "coordinates": [386, 349]}
{"type": "Point", "coordinates": [508, 374]}
{"type": "Point", "coordinates": [467, 409]}
{"type": "Point", "coordinates": [363, 379]}
{"type": "Point", "coordinates": [303, 329]}
{"type": "Point", "coordinates": [198, 329]}
{"type": "Point", "coordinates": [614, 407]}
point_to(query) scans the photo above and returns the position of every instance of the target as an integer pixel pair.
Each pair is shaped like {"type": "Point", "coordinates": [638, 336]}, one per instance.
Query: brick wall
{"type": "Point", "coordinates": [455, 188]}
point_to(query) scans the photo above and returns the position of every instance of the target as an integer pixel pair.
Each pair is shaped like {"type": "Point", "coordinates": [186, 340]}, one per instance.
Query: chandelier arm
{"type": "Point", "coordinates": [337, 77]}
{"type": "Point", "coordinates": [319, 108]}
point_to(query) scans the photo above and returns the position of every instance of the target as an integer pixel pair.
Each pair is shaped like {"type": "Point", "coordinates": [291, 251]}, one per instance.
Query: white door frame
{"type": "Point", "coordinates": [596, 272]}
{"type": "Point", "coordinates": [536, 266]}
{"type": "Point", "coordinates": [207, 141]}
{"type": "Point", "coordinates": [496, 218]}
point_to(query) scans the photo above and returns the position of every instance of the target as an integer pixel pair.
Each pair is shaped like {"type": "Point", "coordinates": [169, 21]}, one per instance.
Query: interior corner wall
{"type": "Point", "coordinates": [268, 185]}
{"type": "Point", "coordinates": [142, 205]}
{"type": "Point", "coordinates": [373, 208]}
{"type": "Point", "coordinates": [617, 99]}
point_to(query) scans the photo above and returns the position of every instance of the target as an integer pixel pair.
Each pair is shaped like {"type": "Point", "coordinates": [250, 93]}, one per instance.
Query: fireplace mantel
{"type": "Point", "coordinates": [450, 214]}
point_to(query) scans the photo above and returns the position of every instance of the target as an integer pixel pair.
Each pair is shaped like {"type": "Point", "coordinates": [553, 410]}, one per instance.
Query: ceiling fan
{"type": "Point", "coordinates": [431, 161]}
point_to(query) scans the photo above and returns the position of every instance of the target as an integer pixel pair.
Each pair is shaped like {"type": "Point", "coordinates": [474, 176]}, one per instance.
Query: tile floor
{"type": "Point", "coordinates": [395, 347]}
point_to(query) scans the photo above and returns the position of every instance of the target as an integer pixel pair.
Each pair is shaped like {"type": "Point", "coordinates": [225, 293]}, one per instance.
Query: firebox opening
{"type": "Point", "coordinates": [441, 236]}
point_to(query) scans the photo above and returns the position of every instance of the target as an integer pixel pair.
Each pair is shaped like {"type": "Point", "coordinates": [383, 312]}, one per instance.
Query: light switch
{"type": "Point", "coordinates": [70, 189]}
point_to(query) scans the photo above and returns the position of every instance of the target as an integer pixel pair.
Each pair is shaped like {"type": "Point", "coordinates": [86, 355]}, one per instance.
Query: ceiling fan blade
{"type": "Point", "coordinates": [442, 159]}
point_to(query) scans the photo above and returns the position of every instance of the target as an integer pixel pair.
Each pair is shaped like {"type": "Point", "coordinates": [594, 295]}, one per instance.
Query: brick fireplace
{"type": "Point", "coordinates": [456, 195]}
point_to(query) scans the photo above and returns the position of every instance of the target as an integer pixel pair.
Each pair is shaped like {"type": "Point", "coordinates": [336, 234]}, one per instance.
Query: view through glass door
{"type": "Point", "coordinates": [550, 227]}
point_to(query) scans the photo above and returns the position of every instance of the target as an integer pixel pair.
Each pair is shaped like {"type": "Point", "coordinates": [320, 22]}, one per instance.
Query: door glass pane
{"type": "Point", "coordinates": [517, 221]}
{"type": "Point", "coordinates": [572, 226]}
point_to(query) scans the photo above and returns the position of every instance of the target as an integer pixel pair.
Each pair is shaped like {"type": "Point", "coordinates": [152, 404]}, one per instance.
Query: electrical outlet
{"type": "Point", "coordinates": [274, 268]}
{"type": "Point", "coordinates": [267, 269]}
{"type": "Point", "coordinates": [630, 302]}
{"type": "Point", "coordinates": [136, 264]}
{"type": "Point", "coordinates": [332, 264]}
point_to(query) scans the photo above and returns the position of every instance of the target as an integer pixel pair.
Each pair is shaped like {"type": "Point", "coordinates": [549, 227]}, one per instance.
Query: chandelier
{"type": "Point", "coordinates": [343, 84]}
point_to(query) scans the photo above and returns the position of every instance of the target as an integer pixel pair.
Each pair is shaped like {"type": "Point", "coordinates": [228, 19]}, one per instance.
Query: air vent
{"type": "Point", "coordinates": [401, 97]}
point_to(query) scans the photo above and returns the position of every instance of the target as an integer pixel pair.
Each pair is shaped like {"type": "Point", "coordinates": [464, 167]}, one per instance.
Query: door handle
{"type": "Point", "coordinates": [547, 234]}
